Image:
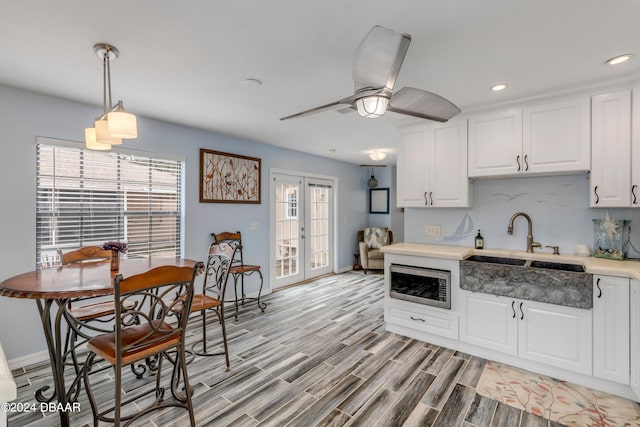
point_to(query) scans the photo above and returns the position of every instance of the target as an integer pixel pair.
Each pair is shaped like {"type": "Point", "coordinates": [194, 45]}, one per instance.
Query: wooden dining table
{"type": "Point", "coordinates": [52, 288]}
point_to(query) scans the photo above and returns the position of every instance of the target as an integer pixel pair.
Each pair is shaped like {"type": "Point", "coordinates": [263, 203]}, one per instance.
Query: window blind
{"type": "Point", "coordinates": [89, 197]}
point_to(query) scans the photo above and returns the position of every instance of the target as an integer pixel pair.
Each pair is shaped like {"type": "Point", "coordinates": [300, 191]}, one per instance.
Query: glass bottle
{"type": "Point", "coordinates": [479, 241]}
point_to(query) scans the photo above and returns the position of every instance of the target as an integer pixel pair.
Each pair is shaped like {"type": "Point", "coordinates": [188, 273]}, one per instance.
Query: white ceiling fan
{"type": "Point", "coordinates": [375, 68]}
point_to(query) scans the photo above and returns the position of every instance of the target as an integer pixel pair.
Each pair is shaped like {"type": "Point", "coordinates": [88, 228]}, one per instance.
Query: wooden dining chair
{"type": "Point", "coordinates": [155, 327]}
{"type": "Point", "coordinates": [213, 296]}
{"type": "Point", "coordinates": [239, 269]}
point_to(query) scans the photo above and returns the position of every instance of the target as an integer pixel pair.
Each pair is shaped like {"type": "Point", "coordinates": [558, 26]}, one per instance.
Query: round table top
{"type": "Point", "coordinates": [80, 280]}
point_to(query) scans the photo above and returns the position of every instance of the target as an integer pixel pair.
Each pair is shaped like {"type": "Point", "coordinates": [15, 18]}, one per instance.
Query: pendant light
{"type": "Point", "coordinates": [373, 182]}
{"type": "Point", "coordinates": [115, 123]}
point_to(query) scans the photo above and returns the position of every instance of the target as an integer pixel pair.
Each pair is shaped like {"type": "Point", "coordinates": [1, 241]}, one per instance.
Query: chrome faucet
{"type": "Point", "coordinates": [530, 243]}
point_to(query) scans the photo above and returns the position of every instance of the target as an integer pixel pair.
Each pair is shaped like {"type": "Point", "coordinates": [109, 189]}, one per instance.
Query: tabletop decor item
{"type": "Point", "coordinates": [229, 178]}
{"type": "Point", "coordinates": [611, 237]}
{"type": "Point", "coordinates": [116, 248]}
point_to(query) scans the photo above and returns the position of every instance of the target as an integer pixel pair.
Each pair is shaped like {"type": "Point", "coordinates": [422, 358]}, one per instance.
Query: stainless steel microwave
{"type": "Point", "coordinates": [421, 285]}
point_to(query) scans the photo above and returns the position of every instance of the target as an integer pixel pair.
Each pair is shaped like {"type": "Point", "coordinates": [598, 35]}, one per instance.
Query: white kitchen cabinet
{"type": "Point", "coordinates": [611, 328]}
{"type": "Point", "coordinates": [552, 334]}
{"type": "Point", "coordinates": [635, 148]}
{"type": "Point", "coordinates": [556, 335]}
{"type": "Point", "coordinates": [557, 137]}
{"type": "Point", "coordinates": [489, 321]}
{"type": "Point", "coordinates": [495, 143]}
{"type": "Point", "coordinates": [634, 312]}
{"type": "Point", "coordinates": [432, 166]}
{"type": "Point", "coordinates": [541, 139]}
{"type": "Point", "coordinates": [611, 150]}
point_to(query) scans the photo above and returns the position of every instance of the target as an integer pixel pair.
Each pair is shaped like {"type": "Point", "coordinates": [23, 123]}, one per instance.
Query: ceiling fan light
{"type": "Point", "coordinates": [372, 106]}
{"type": "Point", "coordinates": [376, 156]}
{"type": "Point", "coordinates": [91, 143]}
{"type": "Point", "coordinates": [102, 133]}
{"type": "Point", "coordinates": [122, 124]}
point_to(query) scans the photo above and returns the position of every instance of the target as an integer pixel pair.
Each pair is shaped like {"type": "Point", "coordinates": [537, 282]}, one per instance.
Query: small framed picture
{"type": "Point", "coordinates": [379, 200]}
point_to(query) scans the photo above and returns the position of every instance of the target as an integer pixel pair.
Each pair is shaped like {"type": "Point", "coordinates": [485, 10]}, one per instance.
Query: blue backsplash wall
{"type": "Point", "coordinates": [558, 206]}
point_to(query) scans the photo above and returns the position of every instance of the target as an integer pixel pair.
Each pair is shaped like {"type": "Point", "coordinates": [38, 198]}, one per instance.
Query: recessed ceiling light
{"type": "Point", "coordinates": [252, 82]}
{"type": "Point", "coordinates": [498, 87]}
{"type": "Point", "coordinates": [618, 59]}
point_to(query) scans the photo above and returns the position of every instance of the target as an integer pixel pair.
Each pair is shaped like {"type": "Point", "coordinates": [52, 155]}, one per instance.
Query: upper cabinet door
{"type": "Point", "coordinates": [611, 150]}
{"type": "Point", "coordinates": [556, 137]}
{"type": "Point", "coordinates": [448, 182]}
{"type": "Point", "coordinates": [412, 169]}
{"type": "Point", "coordinates": [635, 148]}
{"type": "Point", "coordinates": [495, 143]}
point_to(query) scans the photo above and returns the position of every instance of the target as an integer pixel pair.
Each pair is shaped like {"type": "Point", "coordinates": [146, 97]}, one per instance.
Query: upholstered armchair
{"type": "Point", "coordinates": [370, 240]}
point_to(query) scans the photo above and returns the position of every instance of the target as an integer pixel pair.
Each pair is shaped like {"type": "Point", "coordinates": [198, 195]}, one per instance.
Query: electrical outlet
{"type": "Point", "coordinates": [254, 226]}
{"type": "Point", "coordinates": [432, 230]}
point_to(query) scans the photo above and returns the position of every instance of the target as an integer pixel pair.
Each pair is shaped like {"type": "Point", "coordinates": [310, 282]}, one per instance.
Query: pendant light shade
{"type": "Point", "coordinates": [372, 106]}
{"type": "Point", "coordinates": [115, 123]}
{"type": "Point", "coordinates": [102, 133]}
{"type": "Point", "coordinates": [91, 143]}
{"type": "Point", "coordinates": [122, 124]}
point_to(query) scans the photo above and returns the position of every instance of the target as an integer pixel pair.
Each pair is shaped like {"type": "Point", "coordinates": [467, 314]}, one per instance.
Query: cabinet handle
{"type": "Point", "coordinates": [521, 312]}
{"type": "Point", "coordinates": [633, 192]}
{"type": "Point", "coordinates": [418, 319]}
{"type": "Point", "coordinates": [595, 191]}
{"type": "Point", "coordinates": [431, 197]}
{"type": "Point", "coordinates": [526, 162]}
{"type": "Point", "coordinates": [513, 307]}
{"type": "Point", "coordinates": [599, 289]}
{"type": "Point", "coordinates": [518, 160]}
{"type": "Point", "coordinates": [426, 201]}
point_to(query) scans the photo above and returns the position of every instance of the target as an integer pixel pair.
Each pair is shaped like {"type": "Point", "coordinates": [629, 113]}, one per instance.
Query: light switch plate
{"type": "Point", "coordinates": [254, 226]}
{"type": "Point", "coordinates": [432, 230]}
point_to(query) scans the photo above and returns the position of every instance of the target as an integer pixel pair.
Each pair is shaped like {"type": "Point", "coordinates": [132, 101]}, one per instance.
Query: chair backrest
{"type": "Point", "coordinates": [217, 269]}
{"type": "Point", "coordinates": [160, 295]}
{"type": "Point", "coordinates": [87, 253]}
{"type": "Point", "coordinates": [235, 241]}
{"type": "Point", "coordinates": [389, 232]}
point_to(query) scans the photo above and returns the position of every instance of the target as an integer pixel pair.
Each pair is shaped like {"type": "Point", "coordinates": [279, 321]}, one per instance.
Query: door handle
{"type": "Point", "coordinates": [418, 319]}
{"type": "Point", "coordinates": [526, 162]}
{"type": "Point", "coordinates": [599, 289]}
{"type": "Point", "coordinates": [431, 197]}
{"type": "Point", "coordinates": [595, 191]}
{"type": "Point", "coordinates": [513, 307]}
{"type": "Point", "coordinates": [426, 201]}
{"type": "Point", "coordinates": [633, 193]}
{"type": "Point", "coordinates": [518, 160]}
{"type": "Point", "coordinates": [521, 312]}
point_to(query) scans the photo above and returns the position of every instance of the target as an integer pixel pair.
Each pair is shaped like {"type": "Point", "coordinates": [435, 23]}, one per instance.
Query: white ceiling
{"type": "Point", "coordinates": [185, 61]}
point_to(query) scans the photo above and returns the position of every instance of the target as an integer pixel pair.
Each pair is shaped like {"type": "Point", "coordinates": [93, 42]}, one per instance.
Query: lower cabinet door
{"type": "Point", "coordinates": [490, 321]}
{"type": "Point", "coordinates": [555, 335]}
{"type": "Point", "coordinates": [635, 336]}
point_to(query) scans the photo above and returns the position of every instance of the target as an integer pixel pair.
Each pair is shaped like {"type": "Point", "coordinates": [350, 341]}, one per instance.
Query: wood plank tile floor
{"type": "Point", "coordinates": [318, 356]}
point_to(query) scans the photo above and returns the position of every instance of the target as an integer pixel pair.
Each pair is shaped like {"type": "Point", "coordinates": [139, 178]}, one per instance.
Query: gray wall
{"type": "Point", "coordinates": [25, 115]}
{"type": "Point", "coordinates": [558, 206]}
{"type": "Point", "coordinates": [394, 220]}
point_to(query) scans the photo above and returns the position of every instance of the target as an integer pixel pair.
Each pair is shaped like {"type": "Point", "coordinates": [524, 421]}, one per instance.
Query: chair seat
{"type": "Point", "coordinates": [375, 254]}
{"type": "Point", "coordinates": [95, 310]}
{"type": "Point", "coordinates": [105, 345]}
{"type": "Point", "coordinates": [239, 269]}
{"type": "Point", "coordinates": [203, 302]}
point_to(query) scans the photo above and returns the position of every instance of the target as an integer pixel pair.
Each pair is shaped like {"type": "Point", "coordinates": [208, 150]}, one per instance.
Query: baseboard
{"type": "Point", "coordinates": [29, 359]}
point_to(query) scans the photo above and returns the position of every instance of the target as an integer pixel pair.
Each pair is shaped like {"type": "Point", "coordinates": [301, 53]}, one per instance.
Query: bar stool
{"type": "Point", "coordinates": [212, 296]}
{"type": "Point", "coordinates": [239, 269]}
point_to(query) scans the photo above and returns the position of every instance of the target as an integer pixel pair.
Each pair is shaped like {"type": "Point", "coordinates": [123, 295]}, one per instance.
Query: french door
{"type": "Point", "coordinates": [302, 228]}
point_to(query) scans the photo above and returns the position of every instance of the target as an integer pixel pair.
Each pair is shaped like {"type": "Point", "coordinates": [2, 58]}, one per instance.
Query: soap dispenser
{"type": "Point", "coordinates": [479, 241]}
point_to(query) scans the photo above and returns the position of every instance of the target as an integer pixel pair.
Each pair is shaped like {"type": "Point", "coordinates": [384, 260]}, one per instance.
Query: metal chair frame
{"type": "Point", "coordinates": [213, 295]}
{"type": "Point", "coordinates": [157, 325]}
{"type": "Point", "coordinates": [239, 269]}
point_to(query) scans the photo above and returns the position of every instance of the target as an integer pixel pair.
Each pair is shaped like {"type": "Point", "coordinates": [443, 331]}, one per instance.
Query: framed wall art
{"type": "Point", "coordinates": [379, 200]}
{"type": "Point", "coordinates": [229, 178]}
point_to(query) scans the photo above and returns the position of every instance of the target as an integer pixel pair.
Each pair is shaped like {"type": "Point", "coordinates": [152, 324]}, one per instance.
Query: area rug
{"type": "Point", "coordinates": [563, 402]}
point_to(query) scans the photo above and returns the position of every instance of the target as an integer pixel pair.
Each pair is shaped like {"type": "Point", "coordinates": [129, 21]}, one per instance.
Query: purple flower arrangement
{"type": "Point", "coordinates": [115, 246]}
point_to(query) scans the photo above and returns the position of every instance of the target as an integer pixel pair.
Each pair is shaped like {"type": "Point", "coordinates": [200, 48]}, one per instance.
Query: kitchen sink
{"type": "Point", "coordinates": [557, 266]}
{"type": "Point", "coordinates": [496, 260]}
{"type": "Point", "coordinates": [544, 281]}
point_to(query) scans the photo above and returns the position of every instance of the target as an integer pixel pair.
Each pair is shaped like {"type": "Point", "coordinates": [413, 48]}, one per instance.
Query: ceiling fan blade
{"type": "Point", "coordinates": [319, 109]}
{"type": "Point", "coordinates": [420, 103]}
{"type": "Point", "coordinates": [378, 58]}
